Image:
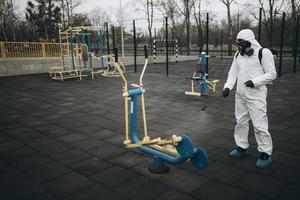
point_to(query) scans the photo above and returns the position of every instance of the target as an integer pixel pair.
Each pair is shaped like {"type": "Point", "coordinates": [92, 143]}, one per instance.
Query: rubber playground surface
{"type": "Point", "coordinates": [65, 140]}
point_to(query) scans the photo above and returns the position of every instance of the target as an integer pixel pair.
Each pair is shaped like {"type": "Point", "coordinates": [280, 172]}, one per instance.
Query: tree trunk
{"type": "Point", "coordinates": [293, 10]}
{"type": "Point", "coordinates": [150, 18]}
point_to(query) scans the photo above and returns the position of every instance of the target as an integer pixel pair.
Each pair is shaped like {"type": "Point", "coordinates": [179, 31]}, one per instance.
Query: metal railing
{"type": "Point", "coordinates": [29, 50]}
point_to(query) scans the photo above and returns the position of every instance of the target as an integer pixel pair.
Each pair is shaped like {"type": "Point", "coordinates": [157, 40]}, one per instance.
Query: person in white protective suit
{"type": "Point", "coordinates": [252, 75]}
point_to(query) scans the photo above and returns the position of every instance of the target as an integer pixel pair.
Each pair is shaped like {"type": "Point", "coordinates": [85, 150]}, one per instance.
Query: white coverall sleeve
{"type": "Point", "coordinates": [232, 75]}
{"type": "Point", "coordinates": [269, 69]}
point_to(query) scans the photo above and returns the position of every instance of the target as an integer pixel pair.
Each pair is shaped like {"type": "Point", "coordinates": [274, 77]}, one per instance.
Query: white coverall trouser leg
{"type": "Point", "coordinates": [254, 109]}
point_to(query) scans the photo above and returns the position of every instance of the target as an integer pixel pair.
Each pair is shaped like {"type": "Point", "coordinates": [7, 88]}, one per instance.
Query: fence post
{"type": "Point", "coordinates": [207, 32]}
{"type": "Point", "coordinates": [221, 44]}
{"type": "Point", "coordinates": [154, 51]}
{"type": "Point", "coordinates": [2, 49]}
{"type": "Point", "coordinates": [107, 38]}
{"type": "Point", "coordinates": [259, 25]}
{"type": "Point", "coordinates": [176, 50]}
{"type": "Point", "coordinates": [134, 45]}
{"type": "Point", "coordinates": [281, 44]}
{"type": "Point", "coordinates": [43, 50]}
{"type": "Point", "coordinates": [296, 44]}
{"type": "Point", "coordinates": [113, 36]}
{"type": "Point", "coordinates": [167, 48]}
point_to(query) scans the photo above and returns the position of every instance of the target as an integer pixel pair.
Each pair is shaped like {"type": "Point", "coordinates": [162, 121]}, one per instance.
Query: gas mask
{"type": "Point", "coordinates": [244, 47]}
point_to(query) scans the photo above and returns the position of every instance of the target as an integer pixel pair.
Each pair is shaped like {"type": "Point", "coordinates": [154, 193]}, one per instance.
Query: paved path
{"type": "Point", "coordinates": [64, 140]}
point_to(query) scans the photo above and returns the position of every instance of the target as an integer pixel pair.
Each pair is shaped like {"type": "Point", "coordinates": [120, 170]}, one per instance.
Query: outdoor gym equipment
{"type": "Point", "coordinates": [76, 53]}
{"type": "Point", "coordinates": [175, 150]}
{"type": "Point", "coordinates": [199, 78]}
{"type": "Point", "coordinates": [110, 69]}
{"type": "Point", "coordinates": [99, 70]}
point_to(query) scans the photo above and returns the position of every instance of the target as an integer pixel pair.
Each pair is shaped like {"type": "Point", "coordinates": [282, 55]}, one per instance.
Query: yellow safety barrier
{"type": "Point", "coordinates": [29, 50]}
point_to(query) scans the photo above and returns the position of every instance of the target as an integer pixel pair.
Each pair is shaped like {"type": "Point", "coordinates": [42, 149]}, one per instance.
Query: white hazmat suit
{"type": "Point", "coordinates": [250, 103]}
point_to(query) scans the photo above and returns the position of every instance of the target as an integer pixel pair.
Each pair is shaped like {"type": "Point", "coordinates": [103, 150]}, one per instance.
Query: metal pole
{"type": "Point", "coordinates": [78, 46]}
{"type": "Point", "coordinates": [134, 46]}
{"type": "Point", "coordinates": [176, 50]}
{"type": "Point", "coordinates": [296, 44]}
{"type": "Point", "coordinates": [154, 51]}
{"type": "Point", "coordinates": [281, 44]}
{"type": "Point", "coordinates": [167, 48]}
{"type": "Point", "coordinates": [221, 44]}
{"type": "Point", "coordinates": [72, 50]}
{"type": "Point", "coordinates": [154, 47]}
{"type": "Point", "coordinates": [113, 36]}
{"type": "Point", "coordinates": [100, 49]}
{"type": "Point", "coordinates": [89, 35]}
{"type": "Point", "coordinates": [172, 42]}
{"type": "Point", "coordinates": [259, 25]}
{"type": "Point", "coordinates": [107, 38]}
{"type": "Point", "coordinates": [121, 26]}
{"type": "Point", "coordinates": [207, 38]}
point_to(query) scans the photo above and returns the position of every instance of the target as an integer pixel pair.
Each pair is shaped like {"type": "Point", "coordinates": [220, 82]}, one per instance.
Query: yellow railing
{"type": "Point", "coordinates": [29, 50]}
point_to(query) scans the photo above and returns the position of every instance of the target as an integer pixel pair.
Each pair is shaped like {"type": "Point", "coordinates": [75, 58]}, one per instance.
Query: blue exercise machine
{"type": "Point", "coordinates": [199, 78]}
{"type": "Point", "coordinates": [175, 150]}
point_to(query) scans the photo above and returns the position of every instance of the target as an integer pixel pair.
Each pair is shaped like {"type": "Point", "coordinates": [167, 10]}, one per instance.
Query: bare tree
{"type": "Point", "coordinates": [227, 3]}
{"type": "Point", "coordinates": [67, 9]}
{"type": "Point", "coordinates": [7, 17]}
{"type": "Point", "coordinates": [197, 16]}
{"type": "Point", "coordinates": [150, 17]}
{"type": "Point", "coordinates": [269, 10]}
{"type": "Point", "coordinates": [147, 6]}
{"type": "Point", "coordinates": [170, 9]}
{"type": "Point", "coordinates": [187, 6]}
{"type": "Point", "coordinates": [99, 16]}
{"type": "Point", "coordinates": [295, 7]}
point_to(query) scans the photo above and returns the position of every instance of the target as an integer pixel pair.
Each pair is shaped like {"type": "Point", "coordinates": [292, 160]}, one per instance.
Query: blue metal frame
{"type": "Point", "coordinates": [78, 45]}
{"type": "Point", "coordinates": [83, 42]}
{"type": "Point", "coordinates": [184, 148]}
{"type": "Point", "coordinates": [89, 49]}
{"type": "Point", "coordinates": [72, 50]}
{"type": "Point", "coordinates": [202, 79]}
{"type": "Point", "coordinates": [101, 49]}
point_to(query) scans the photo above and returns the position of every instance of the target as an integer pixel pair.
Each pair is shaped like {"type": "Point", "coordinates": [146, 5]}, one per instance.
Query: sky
{"type": "Point", "coordinates": [130, 10]}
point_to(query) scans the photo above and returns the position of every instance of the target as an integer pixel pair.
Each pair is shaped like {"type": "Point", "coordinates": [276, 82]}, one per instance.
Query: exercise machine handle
{"type": "Point", "coordinates": [116, 54]}
{"type": "Point", "coordinates": [146, 51]}
{"type": "Point", "coordinates": [145, 65]}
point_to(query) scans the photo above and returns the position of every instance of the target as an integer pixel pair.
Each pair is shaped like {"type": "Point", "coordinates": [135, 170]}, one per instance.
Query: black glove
{"type": "Point", "coordinates": [249, 84]}
{"type": "Point", "coordinates": [225, 92]}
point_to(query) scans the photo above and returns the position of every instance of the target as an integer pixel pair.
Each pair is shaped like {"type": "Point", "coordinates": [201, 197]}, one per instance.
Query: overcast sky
{"type": "Point", "coordinates": [88, 5]}
{"type": "Point", "coordinates": [131, 12]}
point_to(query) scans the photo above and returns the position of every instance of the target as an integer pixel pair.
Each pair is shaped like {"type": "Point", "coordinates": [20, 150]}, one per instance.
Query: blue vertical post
{"type": "Point", "coordinates": [101, 49]}
{"type": "Point", "coordinates": [78, 45]}
{"type": "Point", "coordinates": [82, 36]}
{"type": "Point", "coordinates": [83, 42]}
{"type": "Point", "coordinates": [133, 116]}
{"type": "Point", "coordinates": [89, 35]}
{"type": "Point", "coordinates": [203, 83]}
{"type": "Point", "coordinates": [72, 50]}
